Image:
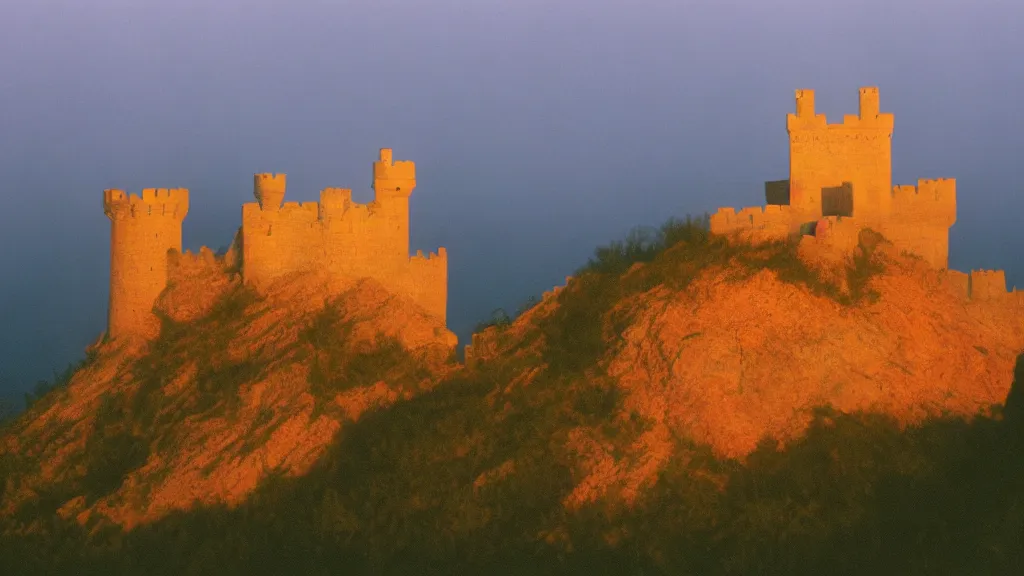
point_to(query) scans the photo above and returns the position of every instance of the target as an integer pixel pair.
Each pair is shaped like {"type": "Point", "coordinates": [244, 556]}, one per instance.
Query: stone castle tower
{"type": "Point", "coordinates": [142, 230]}
{"type": "Point", "coordinates": [280, 238]}
{"type": "Point", "coordinates": [829, 161]}
{"type": "Point", "coordinates": [840, 180]}
{"type": "Point", "coordinates": [341, 238]}
{"type": "Point", "coordinates": [335, 236]}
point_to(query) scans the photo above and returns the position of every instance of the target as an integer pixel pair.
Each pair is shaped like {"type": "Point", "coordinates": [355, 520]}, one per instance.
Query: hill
{"type": "Point", "coordinates": [237, 384]}
{"type": "Point", "coordinates": [686, 404]}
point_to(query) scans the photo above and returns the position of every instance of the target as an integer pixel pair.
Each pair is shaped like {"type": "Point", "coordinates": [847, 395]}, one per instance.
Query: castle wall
{"type": "Point", "coordinates": [342, 237]}
{"type": "Point", "coordinates": [350, 235]}
{"type": "Point", "coordinates": [771, 222]}
{"type": "Point", "coordinates": [187, 263]}
{"type": "Point", "coordinates": [276, 238]}
{"type": "Point", "coordinates": [929, 242]}
{"type": "Point", "coordinates": [359, 241]}
{"type": "Point", "coordinates": [143, 230]}
{"type": "Point", "coordinates": [987, 284]}
{"type": "Point", "coordinates": [858, 151]}
{"type": "Point", "coordinates": [427, 282]}
{"type": "Point", "coordinates": [277, 242]}
{"type": "Point", "coordinates": [195, 283]}
{"type": "Point", "coordinates": [982, 285]}
{"type": "Point", "coordinates": [920, 219]}
{"type": "Point", "coordinates": [841, 233]}
{"type": "Point", "coordinates": [845, 170]}
{"type": "Point", "coordinates": [931, 202]}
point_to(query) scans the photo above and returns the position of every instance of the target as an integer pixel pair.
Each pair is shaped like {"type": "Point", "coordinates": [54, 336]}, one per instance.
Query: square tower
{"type": "Point", "coordinates": [854, 155]}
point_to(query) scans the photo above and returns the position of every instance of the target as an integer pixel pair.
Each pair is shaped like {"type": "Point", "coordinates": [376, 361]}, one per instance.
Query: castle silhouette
{"type": "Point", "coordinates": [840, 181]}
{"type": "Point", "coordinates": [336, 236]}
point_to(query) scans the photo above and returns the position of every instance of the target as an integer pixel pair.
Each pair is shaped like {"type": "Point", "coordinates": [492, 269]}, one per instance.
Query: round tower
{"type": "Point", "coordinates": [269, 190]}
{"type": "Point", "coordinates": [142, 230]}
{"type": "Point", "coordinates": [393, 183]}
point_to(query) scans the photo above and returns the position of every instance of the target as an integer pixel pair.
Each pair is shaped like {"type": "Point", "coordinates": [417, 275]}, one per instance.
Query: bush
{"type": "Point", "coordinates": [579, 332]}
{"type": "Point", "coordinates": [337, 364]}
{"type": "Point", "coordinates": [856, 495]}
{"type": "Point", "coordinates": [112, 450]}
{"type": "Point", "coordinates": [499, 319]}
{"type": "Point", "coordinates": [217, 379]}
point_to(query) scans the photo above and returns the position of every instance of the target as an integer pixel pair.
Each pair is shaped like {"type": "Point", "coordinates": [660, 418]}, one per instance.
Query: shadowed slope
{"type": "Point", "coordinates": [235, 387]}
{"type": "Point", "coordinates": [546, 457]}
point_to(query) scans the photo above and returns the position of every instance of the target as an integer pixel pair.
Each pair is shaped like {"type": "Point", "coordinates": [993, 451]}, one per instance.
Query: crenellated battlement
{"type": "Point", "coordinates": [269, 190]}
{"type": "Point", "coordinates": [343, 237]}
{"type": "Point", "coordinates": [838, 232]}
{"type": "Point", "coordinates": [335, 209]}
{"type": "Point", "coordinates": [982, 285]}
{"type": "Point", "coordinates": [932, 202]}
{"type": "Point", "coordinates": [757, 214]}
{"type": "Point", "coordinates": [937, 189]}
{"type": "Point", "coordinates": [144, 231]}
{"type": "Point", "coordinates": [190, 263]}
{"type": "Point", "coordinates": [300, 212]}
{"type": "Point", "coordinates": [441, 254]}
{"type": "Point", "coordinates": [869, 116]}
{"type": "Point", "coordinates": [840, 178]}
{"type": "Point", "coordinates": [393, 178]}
{"type": "Point", "coordinates": [425, 273]}
{"type": "Point", "coordinates": [387, 168]}
{"type": "Point", "coordinates": [278, 179]}
{"type": "Point", "coordinates": [153, 202]}
{"type": "Point", "coordinates": [987, 284]}
{"type": "Point", "coordinates": [771, 221]}
{"type": "Point", "coordinates": [335, 202]}
{"type": "Point", "coordinates": [335, 235]}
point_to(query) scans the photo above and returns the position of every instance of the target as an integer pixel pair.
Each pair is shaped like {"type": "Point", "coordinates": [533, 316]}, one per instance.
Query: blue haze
{"type": "Point", "coordinates": [540, 129]}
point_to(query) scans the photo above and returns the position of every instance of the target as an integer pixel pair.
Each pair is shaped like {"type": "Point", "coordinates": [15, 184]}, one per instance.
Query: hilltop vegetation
{"type": "Point", "coordinates": [394, 496]}
{"type": "Point", "coordinates": [487, 469]}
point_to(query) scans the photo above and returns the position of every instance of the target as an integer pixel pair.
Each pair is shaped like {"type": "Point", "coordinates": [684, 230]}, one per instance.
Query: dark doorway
{"type": "Point", "coordinates": [837, 200]}
{"type": "Point", "coordinates": [776, 192]}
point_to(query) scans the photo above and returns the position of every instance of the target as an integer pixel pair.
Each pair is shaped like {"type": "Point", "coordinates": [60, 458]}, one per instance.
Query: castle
{"type": "Point", "coordinates": [840, 180]}
{"type": "Point", "coordinates": [335, 235]}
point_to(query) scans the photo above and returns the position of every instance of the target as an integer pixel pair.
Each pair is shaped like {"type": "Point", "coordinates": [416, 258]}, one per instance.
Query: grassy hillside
{"type": "Point", "coordinates": [395, 495]}
{"type": "Point", "coordinates": [470, 476]}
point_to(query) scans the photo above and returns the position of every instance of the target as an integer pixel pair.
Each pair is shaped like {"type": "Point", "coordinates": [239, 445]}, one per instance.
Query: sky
{"type": "Point", "coordinates": [540, 128]}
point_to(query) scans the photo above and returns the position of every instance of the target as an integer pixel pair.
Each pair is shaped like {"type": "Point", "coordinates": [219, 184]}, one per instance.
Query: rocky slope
{"type": "Point", "coordinates": [730, 346]}
{"type": "Point", "coordinates": [646, 360]}
{"type": "Point", "coordinates": [237, 386]}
